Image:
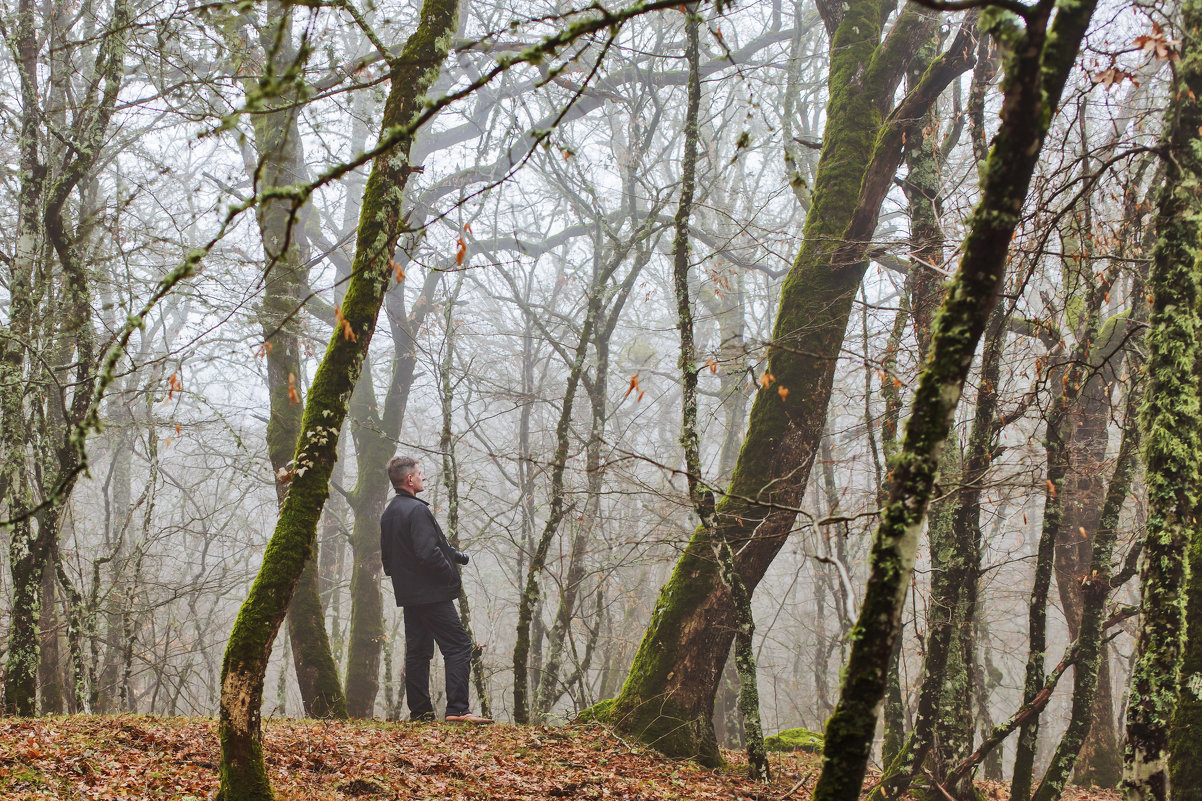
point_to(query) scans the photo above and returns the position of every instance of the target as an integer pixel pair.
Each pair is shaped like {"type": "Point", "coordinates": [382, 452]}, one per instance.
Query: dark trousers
{"type": "Point", "coordinates": [425, 625]}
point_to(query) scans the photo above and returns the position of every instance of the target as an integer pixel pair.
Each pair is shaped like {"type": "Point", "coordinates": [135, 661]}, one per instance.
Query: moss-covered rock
{"type": "Point", "coordinates": [795, 740]}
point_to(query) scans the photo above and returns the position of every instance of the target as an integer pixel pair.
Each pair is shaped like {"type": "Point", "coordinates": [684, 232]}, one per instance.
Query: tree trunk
{"type": "Point", "coordinates": [668, 695]}
{"type": "Point", "coordinates": [376, 432]}
{"type": "Point", "coordinates": [1090, 645]}
{"type": "Point", "coordinates": [1038, 68]}
{"type": "Point", "coordinates": [242, 771]}
{"type": "Point", "coordinates": [1170, 423]}
{"type": "Point", "coordinates": [450, 480]}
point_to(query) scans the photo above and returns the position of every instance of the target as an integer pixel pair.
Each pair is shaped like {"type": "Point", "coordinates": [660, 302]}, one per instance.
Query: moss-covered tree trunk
{"type": "Point", "coordinates": [942, 733]}
{"type": "Point", "coordinates": [44, 232]}
{"type": "Point", "coordinates": [1038, 64]}
{"type": "Point", "coordinates": [20, 678]}
{"type": "Point", "coordinates": [1171, 422]}
{"type": "Point", "coordinates": [667, 699]}
{"type": "Point", "coordinates": [243, 774]}
{"type": "Point", "coordinates": [1185, 760]}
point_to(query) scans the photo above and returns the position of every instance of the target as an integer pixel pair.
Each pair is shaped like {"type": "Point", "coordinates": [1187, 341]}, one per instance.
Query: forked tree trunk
{"type": "Point", "coordinates": [243, 774]}
{"type": "Point", "coordinates": [1038, 67]}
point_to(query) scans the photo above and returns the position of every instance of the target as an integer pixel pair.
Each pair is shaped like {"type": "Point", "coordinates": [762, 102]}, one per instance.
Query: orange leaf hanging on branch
{"type": "Point", "coordinates": [344, 324]}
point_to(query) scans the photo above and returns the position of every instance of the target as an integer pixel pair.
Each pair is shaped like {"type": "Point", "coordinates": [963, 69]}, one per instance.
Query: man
{"type": "Point", "coordinates": [425, 577]}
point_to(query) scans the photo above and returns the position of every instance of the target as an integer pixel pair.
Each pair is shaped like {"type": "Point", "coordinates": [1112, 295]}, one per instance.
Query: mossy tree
{"type": "Point", "coordinates": [413, 70]}
{"type": "Point", "coordinates": [1040, 49]}
{"type": "Point", "coordinates": [667, 699]}
{"type": "Point", "coordinates": [1171, 423]}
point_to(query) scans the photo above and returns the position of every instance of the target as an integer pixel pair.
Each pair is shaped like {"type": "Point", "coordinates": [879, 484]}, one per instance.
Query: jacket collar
{"type": "Point", "coordinates": [407, 494]}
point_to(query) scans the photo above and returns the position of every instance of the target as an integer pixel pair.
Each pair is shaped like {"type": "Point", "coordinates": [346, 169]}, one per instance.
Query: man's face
{"type": "Point", "coordinates": [416, 482]}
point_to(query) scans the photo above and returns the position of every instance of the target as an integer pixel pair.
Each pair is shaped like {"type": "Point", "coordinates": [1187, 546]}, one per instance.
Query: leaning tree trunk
{"type": "Point", "coordinates": [668, 695]}
{"type": "Point", "coordinates": [1036, 72]}
{"type": "Point", "coordinates": [242, 771]}
{"type": "Point", "coordinates": [1170, 420]}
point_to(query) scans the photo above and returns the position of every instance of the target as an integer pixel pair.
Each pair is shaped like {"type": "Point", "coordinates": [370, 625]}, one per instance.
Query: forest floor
{"type": "Point", "coordinates": [176, 758]}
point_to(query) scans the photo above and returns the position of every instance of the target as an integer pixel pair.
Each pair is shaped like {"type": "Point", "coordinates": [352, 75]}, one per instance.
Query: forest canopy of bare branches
{"type": "Point", "coordinates": [775, 363]}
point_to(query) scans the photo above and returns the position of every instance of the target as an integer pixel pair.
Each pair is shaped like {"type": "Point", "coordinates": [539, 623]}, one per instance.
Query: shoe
{"type": "Point", "coordinates": [468, 717]}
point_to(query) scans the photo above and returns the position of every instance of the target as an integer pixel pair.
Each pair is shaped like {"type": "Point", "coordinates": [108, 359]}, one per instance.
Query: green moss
{"type": "Point", "coordinates": [795, 740]}
{"type": "Point", "coordinates": [597, 713]}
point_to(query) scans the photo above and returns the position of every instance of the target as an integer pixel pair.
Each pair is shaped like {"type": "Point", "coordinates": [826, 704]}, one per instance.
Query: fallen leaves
{"type": "Point", "coordinates": [176, 758]}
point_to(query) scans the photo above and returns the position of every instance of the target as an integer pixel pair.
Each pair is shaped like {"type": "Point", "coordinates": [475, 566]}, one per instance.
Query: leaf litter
{"type": "Point", "coordinates": [135, 757]}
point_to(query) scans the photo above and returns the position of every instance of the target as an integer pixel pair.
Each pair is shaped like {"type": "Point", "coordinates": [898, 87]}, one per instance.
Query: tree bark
{"type": "Point", "coordinates": [1170, 421]}
{"type": "Point", "coordinates": [277, 145]}
{"type": "Point", "coordinates": [1091, 647]}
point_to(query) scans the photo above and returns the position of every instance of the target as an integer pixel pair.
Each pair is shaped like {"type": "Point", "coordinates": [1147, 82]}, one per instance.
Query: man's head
{"type": "Point", "coordinates": [404, 474]}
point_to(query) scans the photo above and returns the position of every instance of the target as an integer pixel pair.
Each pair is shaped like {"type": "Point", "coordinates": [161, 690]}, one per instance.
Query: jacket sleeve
{"type": "Point", "coordinates": [387, 544]}
{"type": "Point", "coordinates": [424, 535]}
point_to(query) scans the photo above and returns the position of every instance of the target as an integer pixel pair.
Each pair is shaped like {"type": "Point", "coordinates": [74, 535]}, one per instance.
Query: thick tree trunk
{"type": "Point", "coordinates": [242, 771]}
{"type": "Point", "coordinates": [1170, 421]}
{"type": "Point", "coordinates": [1039, 66]}
{"type": "Point", "coordinates": [50, 673]}
{"type": "Point", "coordinates": [1185, 747]}
{"type": "Point", "coordinates": [667, 699]}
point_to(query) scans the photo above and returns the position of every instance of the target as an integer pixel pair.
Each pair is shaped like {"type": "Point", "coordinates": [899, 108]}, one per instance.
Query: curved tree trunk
{"type": "Point", "coordinates": [243, 774]}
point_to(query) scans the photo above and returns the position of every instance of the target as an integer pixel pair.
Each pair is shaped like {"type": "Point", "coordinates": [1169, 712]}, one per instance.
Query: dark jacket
{"type": "Point", "coordinates": [416, 553]}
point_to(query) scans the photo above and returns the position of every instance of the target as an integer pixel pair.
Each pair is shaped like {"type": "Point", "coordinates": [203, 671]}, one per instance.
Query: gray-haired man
{"type": "Point", "coordinates": [425, 578]}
